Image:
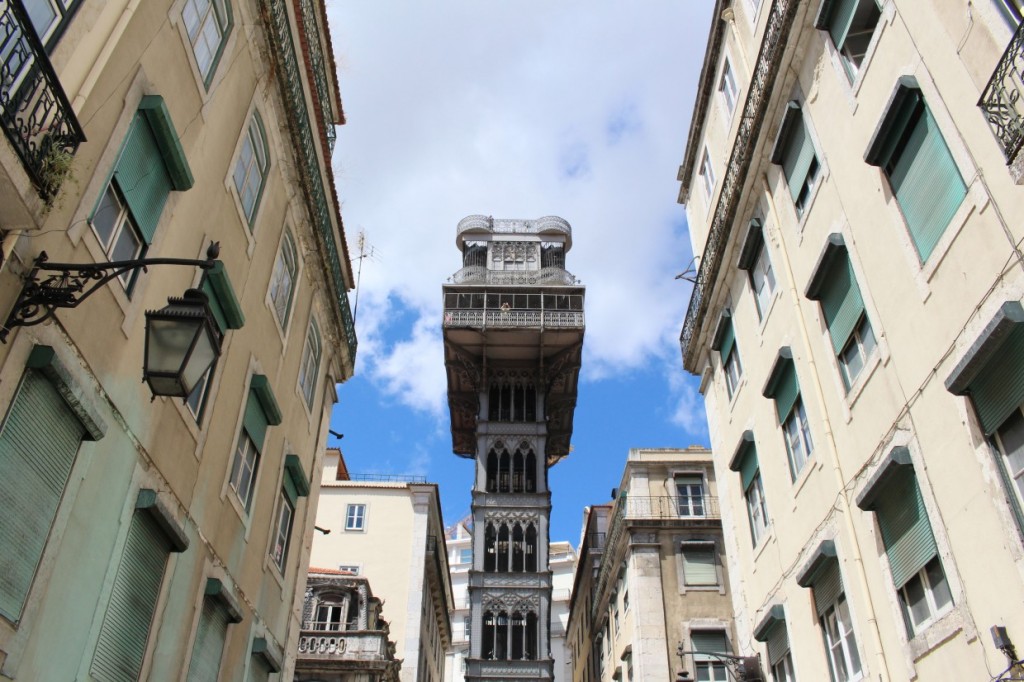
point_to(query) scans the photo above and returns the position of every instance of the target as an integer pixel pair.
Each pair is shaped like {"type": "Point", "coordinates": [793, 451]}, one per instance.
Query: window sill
{"type": "Point", "coordinates": [858, 386]}
{"type": "Point", "coordinates": [810, 467]}
{"type": "Point", "coordinates": [936, 634]}
{"type": "Point", "coordinates": [776, 295]}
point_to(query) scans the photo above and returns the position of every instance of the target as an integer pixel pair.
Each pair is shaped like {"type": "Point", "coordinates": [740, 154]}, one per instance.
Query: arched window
{"type": "Point", "coordinates": [208, 24]}
{"type": "Point", "coordinates": [330, 612]}
{"type": "Point", "coordinates": [487, 650]}
{"type": "Point", "coordinates": [251, 167]}
{"type": "Point", "coordinates": [517, 548]}
{"type": "Point", "coordinates": [501, 637]}
{"type": "Point", "coordinates": [282, 281]}
{"type": "Point", "coordinates": [518, 636]}
{"type": "Point", "coordinates": [504, 472]}
{"type": "Point", "coordinates": [490, 549]}
{"type": "Point", "coordinates": [531, 549]}
{"type": "Point", "coordinates": [493, 402]}
{"type": "Point", "coordinates": [531, 472]}
{"type": "Point", "coordinates": [503, 548]}
{"type": "Point", "coordinates": [492, 472]}
{"type": "Point", "coordinates": [518, 466]}
{"type": "Point", "coordinates": [531, 637]}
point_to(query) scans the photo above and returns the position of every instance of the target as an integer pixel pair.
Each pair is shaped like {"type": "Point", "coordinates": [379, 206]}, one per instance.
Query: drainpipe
{"type": "Point", "coordinates": [845, 509]}
{"type": "Point", "coordinates": [109, 44]}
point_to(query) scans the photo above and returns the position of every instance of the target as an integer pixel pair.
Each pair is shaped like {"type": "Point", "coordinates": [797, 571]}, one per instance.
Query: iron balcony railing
{"type": "Point", "coordinates": [512, 318]}
{"type": "Point", "coordinates": [595, 541]}
{"type": "Point", "coordinates": [309, 166]}
{"type": "Point", "coordinates": [349, 644]}
{"type": "Point", "coordinates": [319, 64]}
{"type": "Point", "coordinates": [667, 507]}
{"type": "Point", "coordinates": [36, 115]}
{"type": "Point", "coordinates": [388, 478]}
{"type": "Point", "coordinates": [480, 274]}
{"type": "Point", "coordinates": [1001, 99]}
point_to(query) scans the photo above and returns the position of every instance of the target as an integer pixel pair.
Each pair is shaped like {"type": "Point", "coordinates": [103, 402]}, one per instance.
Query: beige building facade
{"type": "Point", "coordinates": [851, 187]}
{"type": "Point", "coordinates": [158, 537]}
{"type": "Point", "coordinates": [652, 576]}
{"type": "Point", "coordinates": [391, 532]}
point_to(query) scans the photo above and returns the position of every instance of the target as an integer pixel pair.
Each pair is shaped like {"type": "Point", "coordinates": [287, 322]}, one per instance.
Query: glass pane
{"type": "Point", "coordinates": [937, 580]}
{"type": "Point", "coordinates": [42, 15]}
{"type": "Point", "coordinates": [917, 604]}
{"type": "Point", "coordinates": [104, 220]}
{"type": "Point", "coordinates": [127, 246]}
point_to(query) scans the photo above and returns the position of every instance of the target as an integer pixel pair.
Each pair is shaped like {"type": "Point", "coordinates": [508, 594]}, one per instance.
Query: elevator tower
{"type": "Point", "coordinates": [513, 335]}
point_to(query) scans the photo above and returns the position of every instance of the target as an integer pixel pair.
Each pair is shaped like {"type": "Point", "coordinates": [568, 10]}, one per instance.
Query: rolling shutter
{"type": "Point", "coordinates": [699, 564]}
{"type": "Point", "coordinates": [786, 391]}
{"type": "Point", "coordinates": [841, 302]}
{"type": "Point", "coordinates": [142, 177]}
{"type": "Point", "coordinates": [748, 467]}
{"type": "Point", "coordinates": [38, 445]}
{"type": "Point", "coordinates": [778, 642]}
{"type": "Point", "coordinates": [998, 389]}
{"type": "Point", "coordinates": [906, 532]}
{"type": "Point", "coordinates": [927, 184]}
{"type": "Point", "coordinates": [210, 637]}
{"type": "Point", "coordinates": [827, 586]}
{"type": "Point", "coordinates": [709, 641]}
{"type": "Point", "coordinates": [839, 20]}
{"type": "Point", "coordinates": [124, 634]}
{"type": "Point", "coordinates": [799, 154]}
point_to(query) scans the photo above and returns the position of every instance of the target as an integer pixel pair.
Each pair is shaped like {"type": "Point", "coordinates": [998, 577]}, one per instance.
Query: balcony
{"type": "Point", "coordinates": [666, 507]}
{"type": "Point", "coordinates": [1001, 99]}
{"type": "Point", "coordinates": [480, 274]}
{"type": "Point", "coordinates": [37, 118]}
{"type": "Point", "coordinates": [511, 310]}
{"type": "Point", "coordinates": [367, 645]}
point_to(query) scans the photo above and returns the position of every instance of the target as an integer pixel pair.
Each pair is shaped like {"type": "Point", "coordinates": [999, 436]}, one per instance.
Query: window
{"type": "Point", "coordinates": [690, 490]}
{"type": "Point", "coordinates": [261, 411]}
{"type": "Point", "coordinates": [910, 150]}
{"type": "Point", "coordinates": [707, 668]}
{"type": "Point", "coordinates": [207, 23]}
{"type": "Point", "coordinates": [330, 617]}
{"type": "Point", "coordinates": [707, 174]}
{"type": "Point", "coordinates": [625, 601]}
{"type": "Point", "coordinates": [794, 151]}
{"type": "Point", "coordinates": [355, 518]}
{"type": "Point", "coordinates": [1012, 11]}
{"type": "Point", "coordinates": [840, 642]}
{"type": "Point", "coordinates": [218, 612]}
{"type": "Point", "coordinates": [309, 368]}
{"type": "Point", "coordinates": [773, 632]}
{"type": "Point", "coordinates": [115, 228]}
{"type": "Point", "coordinates": [757, 509]}
{"type": "Point", "coordinates": [700, 566]}
{"type": "Point", "coordinates": [196, 400]}
{"type": "Point", "coordinates": [894, 495]}
{"type": "Point", "coordinates": [282, 281]}
{"type": "Point", "coordinates": [724, 342]}
{"type": "Point", "coordinates": [466, 555]}
{"type": "Point", "coordinates": [782, 670]}
{"type": "Point", "coordinates": [798, 438]}
{"type": "Point", "coordinates": [727, 86]}
{"type": "Point", "coordinates": [251, 168]}
{"type": "Point", "coordinates": [282, 530]}
{"type": "Point", "coordinates": [1009, 439]}
{"type": "Point", "coordinates": [834, 286]}
{"type": "Point", "coordinates": [48, 18]}
{"type": "Point", "coordinates": [850, 24]}
{"type": "Point", "coordinates": [615, 616]}
{"type": "Point", "coordinates": [762, 281]}
{"type": "Point", "coordinates": [351, 568]}
{"type": "Point", "coordinates": [244, 467]}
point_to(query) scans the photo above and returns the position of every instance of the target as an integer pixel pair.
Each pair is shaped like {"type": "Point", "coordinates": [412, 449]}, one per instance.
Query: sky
{"type": "Point", "coordinates": [517, 109]}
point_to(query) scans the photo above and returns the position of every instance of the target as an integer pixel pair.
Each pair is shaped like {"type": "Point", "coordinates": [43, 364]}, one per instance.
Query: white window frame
{"type": "Point", "coordinates": [762, 281]}
{"type": "Point", "coordinates": [728, 88]}
{"type": "Point", "coordinates": [257, 165]}
{"type": "Point", "coordinates": [283, 280]}
{"type": "Point", "coordinates": [935, 611]}
{"type": "Point", "coordinates": [284, 520]}
{"type": "Point", "coordinates": [757, 509]}
{"type": "Point", "coordinates": [851, 69]}
{"type": "Point", "coordinates": [732, 369]}
{"type": "Point", "coordinates": [195, 402]}
{"type": "Point", "coordinates": [796, 432]}
{"type": "Point", "coordinates": [782, 671]}
{"type": "Point", "coordinates": [122, 224]}
{"type": "Point", "coordinates": [355, 517]}
{"type": "Point", "coordinates": [861, 346]}
{"type": "Point", "coordinates": [354, 568]}
{"type": "Point", "coordinates": [1014, 475]}
{"type": "Point", "coordinates": [246, 459]}
{"type": "Point", "coordinates": [707, 174]}
{"type": "Point", "coordinates": [309, 367]}
{"type": "Point", "coordinates": [688, 509]}
{"type": "Point", "coordinates": [208, 25]}
{"type": "Point", "coordinates": [841, 642]}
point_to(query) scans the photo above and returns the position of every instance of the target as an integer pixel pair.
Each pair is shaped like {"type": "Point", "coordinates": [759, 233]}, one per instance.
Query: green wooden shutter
{"type": "Point", "coordinates": [927, 184]}
{"type": "Point", "coordinates": [728, 341]}
{"type": "Point", "coordinates": [748, 467]}
{"type": "Point", "coordinates": [259, 415]}
{"type": "Point", "coordinates": [221, 296]}
{"type": "Point", "coordinates": [209, 646]}
{"type": "Point", "coordinates": [699, 565]}
{"type": "Point", "coordinates": [38, 445]}
{"type": "Point", "coordinates": [999, 388]}
{"type": "Point", "coordinates": [796, 161]}
{"type": "Point", "coordinates": [259, 671]}
{"type": "Point", "coordinates": [828, 586]}
{"type": "Point", "coordinates": [709, 641]}
{"type": "Point", "coordinates": [840, 20]}
{"type": "Point", "coordinates": [778, 642]}
{"type": "Point", "coordinates": [906, 532]}
{"type": "Point", "coordinates": [841, 302]}
{"type": "Point", "coordinates": [124, 634]}
{"type": "Point", "coordinates": [143, 178]}
{"type": "Point", "coordinates": [787, 390]}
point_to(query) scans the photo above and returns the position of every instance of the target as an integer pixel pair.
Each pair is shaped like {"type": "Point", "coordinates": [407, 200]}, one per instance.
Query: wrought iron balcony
{"type": "Point", "coordinates": [1001, 99]}
{"type": "Point", "coordinates": [666, 507]}
{"type": "Point", "coordinates": [279, 28]}
{"type": "Point", "coordinates": [319, 65]}
{"type": "Point", "coordinates": [37, 118]}
{"type": "Point", "coordinates": [352, 644]}
{"type": "Point", "coordinates": [479, 274]}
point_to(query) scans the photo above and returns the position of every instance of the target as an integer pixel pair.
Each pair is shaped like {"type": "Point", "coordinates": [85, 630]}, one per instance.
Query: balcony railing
{"type": "Point", "coordinates": [319, 65]}
{"type": "Point", "coordinates": [1001, 99]}
{"type": "Point", "coordinates": [388, 478]}
{"type": "Point", "coordinates": [36, 115]}
{"type": "Point", "coordinates": [479, 274]}
{"type": "Point", "coordinates": [513, 318]}
{"type": "Point", "coordinates": [351, 644]}
{"type": "Point", "coordinates": [666, 507]}
{"type": "Point", "coordinates": [279, 27]}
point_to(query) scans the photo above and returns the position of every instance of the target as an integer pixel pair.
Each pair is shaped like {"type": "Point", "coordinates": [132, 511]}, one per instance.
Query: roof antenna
{"type": "Point", "coordinates": [359, 273]}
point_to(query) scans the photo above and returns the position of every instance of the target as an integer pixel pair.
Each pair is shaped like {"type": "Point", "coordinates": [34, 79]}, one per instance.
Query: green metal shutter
{"type": "Point", "coordinates": [221, 296]}
{"type": "Point", "coordinates": [121, 647]}
{"type": "Point", "coordinates": [209, 646]}
{"type": "Point", "coordinates": [259, 671]}
{"type": "Point", "coordinates": [699, 565]}
{"type": "Point", "coordinates": [255, 421]}
{"type": "Point", "coordinates": [841, 302]}
{"type": "Point", "coordinates": [728, 341]}
{"type": "Point", "coordinates": [778, 642]}
{"type": "Point", "coordinates": [999, 388]}
{"type": "Point", "coordinates": [787, 390]}
{"type": "Point", "coordinates": [840, 20]}
{"type": "Point", "coordinates": [710, 641]}
{"type": "Point", "coordinates": [828, 586]}
{"type": "Point", "coordinates": [927, 184]}
{"type": "Point", "coordinates": [143, 178]}
{"type": "Point", "coordinates": [906, 532]}
{"type": "Point", "coordinates": [798, 156]}
{"type": "Point", "coordinates": [38, 445]}
{"type": "Point", "coordinates": [748, 467]}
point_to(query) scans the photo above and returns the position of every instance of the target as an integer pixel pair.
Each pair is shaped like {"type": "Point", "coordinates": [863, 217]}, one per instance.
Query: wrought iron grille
{"type": "Point", "coordinates": [37, 118]}
{"type": "Point", "coordinates": [479, 274]}
{"type": "Point", "coordinates": [1001, 98]}
{"type": "Point", "coordinates": [276, 14]}
{"type": "Point", "coordinates": [769, 56]}
{"type": "Point", "coordinates": [319, 64]}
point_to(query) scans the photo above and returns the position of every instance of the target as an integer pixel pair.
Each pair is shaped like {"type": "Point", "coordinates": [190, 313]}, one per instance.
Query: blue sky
{"type": "Point", "coordinates": [517, 110]}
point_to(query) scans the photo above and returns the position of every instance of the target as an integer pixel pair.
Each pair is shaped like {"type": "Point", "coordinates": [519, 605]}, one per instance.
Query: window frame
{"type": "Point", "coordinates": [255, 135]}
{"type": "Point", "coordinates": [796, 130]}
{"type": "Point", "coordinates": [762, 266]}
{"type": "Point", "coordinates": [846, 643]}
{"type": "Point", "coordinates": [709, 546]}
{"type": "Point", "coordinates": [693, 510]}
{"type": "Point", "coordinates": [732, 370]}
{"type": "Point", "coordinates": [853, 66]}
{"type": "Point", "coordinates": [782, 671]}
{"type": "Point", "coordinates": [355, 522]}
{"type": "Point", "coordinates": [282, 531]}
{"type": "Point", "coordinates": [309, 365]}
{"type": "Point", "coordinates": [707, 174]}
{"type": "Point", "coordinates": [223, 19]}
{"type": "Point", "coordinates": [283, 269]}
{"type": "Point", "coordinates": [123, 220]}
{"type": "Point", "coordinates": [935, 611]}
{"type": "Point", "coordinates": [865, 351]}
{"type": "Point", "coordinates": [758, 531]}
{"type": "Point", "coordinates": [801, 431]}
{"type": "Point", "coordinates": [238, 460]}
{"type": "Point", "coordinates": [728, 87]}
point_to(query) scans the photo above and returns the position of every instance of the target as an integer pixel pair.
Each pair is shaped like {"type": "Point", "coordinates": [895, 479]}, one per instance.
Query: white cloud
{"type": "Point", "coordinates": [516, 110]}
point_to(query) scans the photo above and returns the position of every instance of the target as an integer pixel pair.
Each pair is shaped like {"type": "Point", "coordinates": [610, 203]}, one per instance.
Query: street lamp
{"type": "Point", "coordinates": [182, 338]}
{"type": "Point", "coordinates": [742, 668]}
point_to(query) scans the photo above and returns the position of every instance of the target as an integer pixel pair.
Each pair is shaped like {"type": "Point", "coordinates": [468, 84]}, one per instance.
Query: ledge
{"type": "Point", "coordinates": [149, 501]}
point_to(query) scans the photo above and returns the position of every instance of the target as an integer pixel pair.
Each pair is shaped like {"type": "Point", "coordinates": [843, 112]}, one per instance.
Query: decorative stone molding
{"type": "Point", "coordinates": [512, 515]}
{"type": "Point", "coordinates": [511, 601]}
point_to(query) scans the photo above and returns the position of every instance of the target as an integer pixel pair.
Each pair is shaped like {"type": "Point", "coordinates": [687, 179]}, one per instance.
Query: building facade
{"type": "Point", "coordinates": [562, 561]}
{"type": "Point", "coordinates": [390, 531]}
{"type": "Point", "coordinates": [344, 635]}
{"type": "Point", "coordinates": [158, 537]}
{"type": "Point", "coordinates": [513, 335]}
{"type": "Point", "coordinates": [652, 577]}
{"type": "Point", "coordinates": [851, 181]}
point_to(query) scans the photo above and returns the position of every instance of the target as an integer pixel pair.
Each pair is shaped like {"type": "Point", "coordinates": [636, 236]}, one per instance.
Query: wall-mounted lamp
{"type": "Point", "coordinates": [182, 338]}
{"type": "Point", "coordinates": [741, 668]}
{"type": "Point", "coordinates": [1015, 671]}
{"type": "Point", "coordinates": [325, 531]}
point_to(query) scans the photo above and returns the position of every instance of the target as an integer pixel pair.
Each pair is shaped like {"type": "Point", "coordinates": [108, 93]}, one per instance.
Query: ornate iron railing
{"type": "Point", "coordinates": [319, 64]}
{"type": "Point", "coordinates": [1001, 98]}
{"type": "Point", "coordinates": [35, 112]}
{"type": "Point", "coordinates": [503, 226]}
{"type": "Point", "coordinates": [388, 478]}
{"type": "Point", "coordinates": [769, 57]}
{"type": "Point", "coordinates": [279, 28]}
{"type": "Point", "coordinates": [666, 507]}
{"type": "Point", "coordinates": [479, 274]}
{"type": "Point", "coordinates": [513, 318]}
